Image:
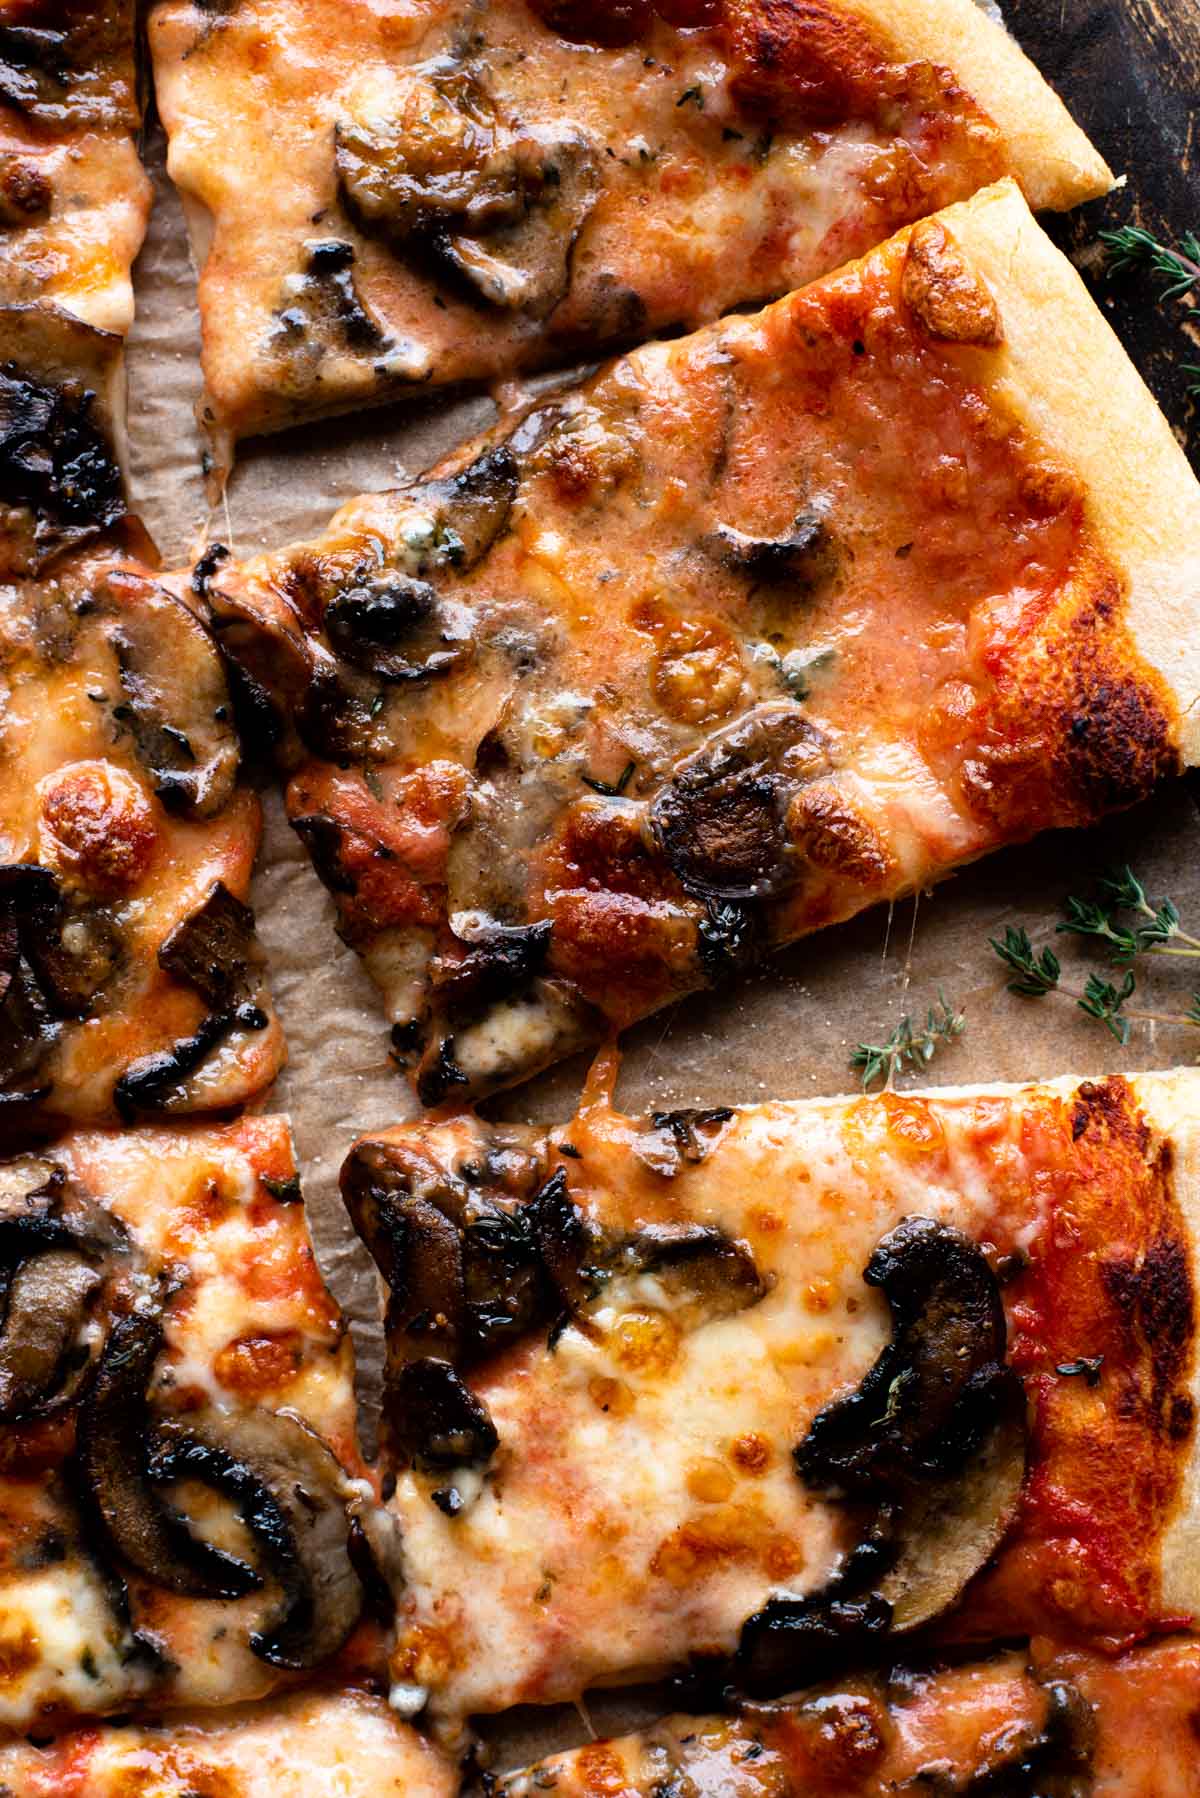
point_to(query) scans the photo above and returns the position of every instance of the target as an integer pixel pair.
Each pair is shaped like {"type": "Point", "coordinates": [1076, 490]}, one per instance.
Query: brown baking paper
{"type": "Point", "coordinates": [786, 1033]}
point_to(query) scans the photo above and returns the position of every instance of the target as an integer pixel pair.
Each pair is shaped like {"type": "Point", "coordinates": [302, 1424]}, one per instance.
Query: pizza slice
{"type": "Point", "coordinates": [777, 1394]}
{"type": "Point", "coordinates": [344, 1742]}
{"type": "Point", "coordinates": [458, 191]}
{"type": "Point", "coordinates": [178, 1462]}
{"type": "Point", "coordinates": [131, 981]}
{"type": "Point", "coordinates": [74, 201]}
{"type": "Point", "coordinates": [1071, 1724]}
{"type": "Point", "coordinates": [748, 632]}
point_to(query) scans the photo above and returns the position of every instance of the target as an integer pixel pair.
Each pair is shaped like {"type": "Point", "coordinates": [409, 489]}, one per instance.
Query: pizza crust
{"type": "Point", "coordinates": [1172, 1103]}
{"type": "Point", "coordinates": [1065, 374]}
{"type": "Point", "coordinates": [1058, 167]}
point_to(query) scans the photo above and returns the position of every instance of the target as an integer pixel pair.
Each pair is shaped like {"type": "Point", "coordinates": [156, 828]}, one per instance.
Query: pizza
{"type": "Point", "coordinates": [74, 201]}
{"type": "Point", "coordinates": [318, 1741]}
{"type": "Point", "coordinates": [747, 632]}
{"type": "Point", "coordinates": [131, 981]}
{"type": "Point", "coordinates": [178, 1464]}
{"type": "Point", "coordinates": [772, 1396]}
{"type": "Point", "coordinates": [1073, 1725]}
{"type": "Point", "coordinates": [455, 190]}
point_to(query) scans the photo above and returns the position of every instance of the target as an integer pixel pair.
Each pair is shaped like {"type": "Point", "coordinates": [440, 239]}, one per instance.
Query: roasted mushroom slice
{"type": "Point", "coordinates": [48, 1299]}
{"type": "Point", "coordinates": [59, 386]}
{"type": "Point", "coordinates": [292, 1496]}
{"type": "Point", "coordinates": [494, 961]}
{"type": "Point", "coordinates": [934, 1437]}
{"type": "Point", "coordinates": [456, 519]}
{"type": "Point", "coordinates": [433, 1420]}
{"type": "Point", "coordinates": [700, 1272]}
{"type": "Point", "coordinates": [431, 162]}
{"type": "Point", "coordinates": [720, 821]}
{"type": "Point", "coordinates": [133, 1522]}
{"type": "Point", "coordinates": [952, 1527]}
{"type": "Point", "coordinates": [53, 1247]}
{"type": "Point", "coordinates": [803, 556]}
{"type": "Point", "coordinates": [525, 266]}
{"type": "Point", "coordinates": [28, 1027]}
{"type": "Point", "coordinates": [391, 625]}
{"type": "Point", "coordinates": [176, 699]}
{"type": "Point", "coordinates": [216, 951]}
{"type": "Point", "coordinates": [929, 1401]}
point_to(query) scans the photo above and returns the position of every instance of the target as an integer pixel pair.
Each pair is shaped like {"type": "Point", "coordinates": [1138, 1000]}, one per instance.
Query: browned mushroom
{"type": "Point", "coordinates": [176, 702]}
{"type": "Point", "coordinates": [802, 557]}
{"type": "Point", "coordinates": [291, 1494]}
{"type": "Point", "coordinates": [216, 951]}
{"type": "Point", "coordinates": [720, 821]}
{"type": "Point", "coordinates": [498, 207]}
{"type": "Point", "coordinates": [933, 1438]}
{"type": "Point", "coordinates": [134, 1523]}
{"type": "Point", "coordinates": [433, 1420]}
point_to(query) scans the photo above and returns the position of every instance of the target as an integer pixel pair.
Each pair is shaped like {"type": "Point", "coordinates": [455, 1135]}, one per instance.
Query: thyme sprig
{"type": "Point", "coordinates": [909, 1046]}
{"type": "Point", "coordinates": [1153, 929]}
{"type": "Point", "coordinates": [1130, 248]}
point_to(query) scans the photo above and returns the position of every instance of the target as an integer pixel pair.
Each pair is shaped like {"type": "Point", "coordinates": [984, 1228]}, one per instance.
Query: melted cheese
{"type": "Point", "coordinates": [250, 1323]}
{"type": "Point", "coordinates": [643, 1502]}
{"type": "Point", "coordinates": [310, 1745]}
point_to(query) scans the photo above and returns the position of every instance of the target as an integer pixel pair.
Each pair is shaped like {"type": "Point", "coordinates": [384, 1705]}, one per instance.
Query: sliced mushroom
{"type": "Point", "coordinates": [394, 626]}
{"type": "Point", "coordinates": [112, 1442]}
{"type": "Point", "coordinates": [720, 821]}
{"type": "Point", "coordinates": [57, 459]}
{"type": "Point", "coordinates": [433, 1419]}
{"type": "Point", "coordinates": [703, 1273]}
{"type": "Point", "coordinates": [803, 556]}
{"type": "Point", "coordinates": [456, 519]}
{"type": "Point", "coordinates": [934, 1437]}
{"type": "Point", "coordinates": [461, 1265]}
{"type": "Point", "coordinates": [433, 162]}
{"type": "Point", "coordinates": [568, 1245]}
{"type": "Point", "coordinates": [929, 1401]}
{"type": "Point", "coordinates": [497, 961]}
{"type": "Point", "coordinates": [76, 956]}
{"type": "Point", "coordinates": [157, 1082]}
{"type": "Point", "coordinates": [292, 1495]}
{"type": "Point", "coordinates": [325, 308]}
{"type": "Point", "coordinates": [525, 266]}
{"type": "Point", "coordinates": [612, 23]}
{"type": "Point", "coordinates": [48, 1300]}
{"type": "Point", "coordinates": [268, 664]}
{"type": "Point", "coordinates": [216, 951]}
{"type": "Point", "coordinates": [795, 1642]}
{"type": "Point", "coordinates": [28, 1028]}
{"type": "Point", "coordinates": [952, 1527]}
{"type": "Point", "coordinates": [177, 701]}
{"type": "Point", "coordinates": [679, 1139]}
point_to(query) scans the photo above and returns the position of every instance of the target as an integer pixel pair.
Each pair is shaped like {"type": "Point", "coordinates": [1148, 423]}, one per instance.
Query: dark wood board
{"type": "Point", "coordinates": [1130, 72]}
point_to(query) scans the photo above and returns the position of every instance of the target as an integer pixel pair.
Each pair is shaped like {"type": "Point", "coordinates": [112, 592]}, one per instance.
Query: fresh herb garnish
{"type": "Point", "coordinates": [908, 1046]}
{"type": "Point", "coordinates": [610, 789]}
{"type": "Point", "coordinates": [1130, 247]}
{"type": "Point", "coordinates": [1177, 266]}
{"type": "Point", "coordinates": [1131, 927]}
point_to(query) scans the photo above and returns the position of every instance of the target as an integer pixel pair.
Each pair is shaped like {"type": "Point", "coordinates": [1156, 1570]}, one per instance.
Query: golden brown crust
{"type": "Point", "coordinates": [1065, 374]}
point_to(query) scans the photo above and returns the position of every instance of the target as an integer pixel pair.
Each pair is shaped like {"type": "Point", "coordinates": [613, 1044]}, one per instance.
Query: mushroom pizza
{"type": "Point", "coordinates": [768, 1397]}
{"type": "Point", "coordinates": [749, 631]}
{"type": "Point", "coordinates": [455, 191]}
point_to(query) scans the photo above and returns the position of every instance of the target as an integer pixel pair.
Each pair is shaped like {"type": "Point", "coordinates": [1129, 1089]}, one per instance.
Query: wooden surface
{"type": "Point", "coordinates": [1130, 72]}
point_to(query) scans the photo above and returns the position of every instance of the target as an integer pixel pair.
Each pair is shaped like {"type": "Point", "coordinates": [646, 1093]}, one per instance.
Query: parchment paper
{"type": "Point", "coordinates": [787, 1033]}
